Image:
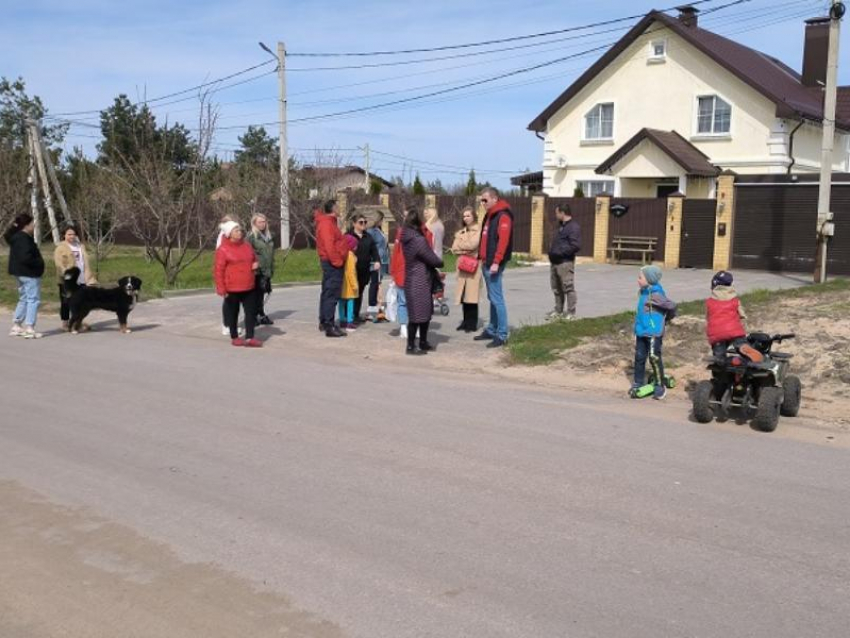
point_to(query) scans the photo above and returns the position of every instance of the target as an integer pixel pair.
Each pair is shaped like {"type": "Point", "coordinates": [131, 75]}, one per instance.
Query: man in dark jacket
{"type": "Point", "coordinates": [333, 250]}
{"type": "Point", "coordinates": [562, 256]}
{"type": "Point", "coordinates": [495, 250]}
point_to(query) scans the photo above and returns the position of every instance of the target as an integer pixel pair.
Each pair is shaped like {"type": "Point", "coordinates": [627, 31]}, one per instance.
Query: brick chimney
{"type": "Point", "coordinates": [688, 15]}
{"type": "Point", "coordinates": [815, 51]}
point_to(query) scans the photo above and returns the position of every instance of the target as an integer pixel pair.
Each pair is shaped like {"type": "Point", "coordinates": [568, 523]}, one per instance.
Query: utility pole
{"type": "Point", "coordinates": [368, 162]}
{"type": "Point", "coordinates": [284, 154]}
{"type": "Point", "coordinates": [33, 180]}
{"type": "Point", "coordinates": [825, 226]}
{"type": "Point", "coordinates": [38, 147]}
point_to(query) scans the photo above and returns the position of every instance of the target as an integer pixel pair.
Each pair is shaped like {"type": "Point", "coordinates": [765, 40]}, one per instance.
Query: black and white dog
{"type": "Point", "coordinates": [83, 299]}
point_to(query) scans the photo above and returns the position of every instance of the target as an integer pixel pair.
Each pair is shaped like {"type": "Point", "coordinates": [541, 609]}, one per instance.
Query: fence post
{"type": "Point", "coordinates": [725, 220]}
{"type": "Point", "coordinates": [673, 241]}
{"type": "Point", "coordinates": [538, 221]}
{"type": "Point", "coordinates": [600, 234]}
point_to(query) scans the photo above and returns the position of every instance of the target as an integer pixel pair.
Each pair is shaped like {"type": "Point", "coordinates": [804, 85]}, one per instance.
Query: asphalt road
{"type": "Point", "coordinates": [373, 500]}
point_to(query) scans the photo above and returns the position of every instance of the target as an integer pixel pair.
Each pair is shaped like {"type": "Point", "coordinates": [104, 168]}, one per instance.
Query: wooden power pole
{"type": "Point", "coordinates": [825, 226]}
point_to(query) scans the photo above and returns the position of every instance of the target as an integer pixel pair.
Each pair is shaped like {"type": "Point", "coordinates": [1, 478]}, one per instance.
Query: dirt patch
{"type": "Point", "coordinates": [821, 351]}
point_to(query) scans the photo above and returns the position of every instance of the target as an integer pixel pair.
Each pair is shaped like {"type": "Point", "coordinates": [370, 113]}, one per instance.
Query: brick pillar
{"type": "Point", "coordinates": [673, 242]}
{"type": "Point", "coordinates": [430, 200]}
{"type": "Point", "coordinates": [600, 234]}
{"type": "Point", "coordinates": [538, 222]}
{"type": "Point", "coordinates": [725, 216]}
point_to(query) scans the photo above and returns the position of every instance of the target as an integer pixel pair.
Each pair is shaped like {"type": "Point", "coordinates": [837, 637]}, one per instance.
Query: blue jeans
{"type": "Point", "coordinates": [29, 299]}
{"type": "Point", "coordinates": [642, 348]}
{"type": "Point", "coordinates": [402, 308]}
{"type": "Point", "coordinates": [498, 325]}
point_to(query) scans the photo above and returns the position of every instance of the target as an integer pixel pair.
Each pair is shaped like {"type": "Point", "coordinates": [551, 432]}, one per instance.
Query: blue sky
{"type": "Point", "coordinates": [79, 55]}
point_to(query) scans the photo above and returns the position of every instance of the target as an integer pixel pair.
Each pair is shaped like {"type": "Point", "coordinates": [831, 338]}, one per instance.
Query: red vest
{"type": "Point", "coordinates": [723, 323]}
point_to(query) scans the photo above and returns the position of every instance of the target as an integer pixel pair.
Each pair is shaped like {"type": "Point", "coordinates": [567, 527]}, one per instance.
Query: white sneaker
{"type": "Point", "coordinates": [402, 333]}
{"type": "Point", "coordinates": [225, 331]}
{"type": "Point", "coordinates": [16, 331]}
{"type": "Point", "coordinates": [30, 333]}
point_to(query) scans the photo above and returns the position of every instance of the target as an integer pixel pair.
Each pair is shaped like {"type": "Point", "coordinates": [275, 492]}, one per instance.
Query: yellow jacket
{"type": "Point", "coordinates": [350, 289]}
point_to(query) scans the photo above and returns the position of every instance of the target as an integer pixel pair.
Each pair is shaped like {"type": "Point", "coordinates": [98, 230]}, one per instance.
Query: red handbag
{"type": "Point", "coordinates": [467, 264]}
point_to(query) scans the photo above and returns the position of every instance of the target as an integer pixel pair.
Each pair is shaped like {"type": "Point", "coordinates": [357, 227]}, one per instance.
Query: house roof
{"type": "Point", "coordinates": [767, 75]}
{"type": "Point", "coordinates": [680, 150]}
{"type": "Point", "coordinates": [526, 179]}
{"type": "Point", "coordinates": [332, 172]}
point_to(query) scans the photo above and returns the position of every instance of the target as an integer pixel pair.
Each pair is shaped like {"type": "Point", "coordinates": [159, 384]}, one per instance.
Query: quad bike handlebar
{"type": "Point", "coordinates": [779, 338]}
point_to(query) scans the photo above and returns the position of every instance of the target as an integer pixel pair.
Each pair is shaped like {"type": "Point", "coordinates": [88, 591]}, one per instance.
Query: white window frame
{"type": "Point", "coordinates": [601, 139]}
{"type": "Point", "coordinates": [712, 133]}
{"type": "Point", "coordinates": [605, 186]}
{"type": "Point", "coordinates": [655, 58]}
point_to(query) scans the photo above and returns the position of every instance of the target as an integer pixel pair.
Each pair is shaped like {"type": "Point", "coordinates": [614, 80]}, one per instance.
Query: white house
{"type": "Point", "coordinates": [672, 105]}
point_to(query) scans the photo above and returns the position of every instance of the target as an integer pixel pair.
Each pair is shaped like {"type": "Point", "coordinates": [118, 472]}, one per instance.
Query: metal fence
{"type": "Point", "coordinates": [583, 210]}
{"type": "Point", "coordinates": [643, 218]}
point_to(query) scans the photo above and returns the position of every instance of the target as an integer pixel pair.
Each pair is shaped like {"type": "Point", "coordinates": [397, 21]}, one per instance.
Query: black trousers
{"type": "Point", "coordinates": [262, 285]}
{"type": "Point", "coordinates": [247, 300]}
{"type": "Point", "coordinates": [363, 277]}
{"type": "Point", "coordinates": [374, 287]}
{"type": "Point", "coordinates": [331, 289]}
{"type": "Point", "coordinates": [421, 329]}
{"type": "Point", "coordinates": [470, 316]}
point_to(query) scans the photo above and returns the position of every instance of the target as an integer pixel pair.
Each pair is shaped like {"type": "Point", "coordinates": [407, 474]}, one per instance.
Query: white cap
{"type": "Point", "coordinates": [228, 227]}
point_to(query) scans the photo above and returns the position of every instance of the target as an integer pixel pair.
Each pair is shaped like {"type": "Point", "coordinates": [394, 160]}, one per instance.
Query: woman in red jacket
{"type": "Point", "coordinates": [235, 264]}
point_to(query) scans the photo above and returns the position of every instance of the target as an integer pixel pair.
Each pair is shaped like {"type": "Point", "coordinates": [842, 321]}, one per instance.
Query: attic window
{"type": "Point", "coordinates": [714, 115]}
{"type": "Point", "coordinates": [599, 122]}
{"type": "Point", "coordinates": [658, 51]}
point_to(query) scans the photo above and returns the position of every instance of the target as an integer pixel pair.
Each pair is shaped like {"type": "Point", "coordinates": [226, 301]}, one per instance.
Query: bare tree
{"type": "Point", "coordinates": [96, 207]}
{"type": "Point", "coordinates": [167, 206]}
{"type": "Point", "coordinates": [14, 186]}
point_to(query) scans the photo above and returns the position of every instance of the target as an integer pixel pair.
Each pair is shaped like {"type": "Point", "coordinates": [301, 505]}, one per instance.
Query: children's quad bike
{"type": "Point", "coordinates": [753, 379]}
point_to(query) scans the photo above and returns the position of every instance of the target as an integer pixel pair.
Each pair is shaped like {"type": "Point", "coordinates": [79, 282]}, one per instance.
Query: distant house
{"type": "Point", "coordinates": [671, 105]}
{"type": "Point", "coordinates": [323, 180]}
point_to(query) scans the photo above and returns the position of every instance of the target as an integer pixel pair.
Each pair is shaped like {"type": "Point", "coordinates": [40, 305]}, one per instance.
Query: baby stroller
{"type": "Point", "coordinates": [438, 292]}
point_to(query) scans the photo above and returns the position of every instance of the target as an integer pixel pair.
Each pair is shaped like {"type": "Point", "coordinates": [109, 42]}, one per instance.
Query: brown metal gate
{"type": "Point", "coordinates": [775, 227]}
{"type": "Point", "coordinates": [521, 209]}
{"type": "Point", "coordinates": [643, 218]}
{"type": "Point", "coordinates": [584, 212]}
{"type": "Point", "coordinates": [697, 245]}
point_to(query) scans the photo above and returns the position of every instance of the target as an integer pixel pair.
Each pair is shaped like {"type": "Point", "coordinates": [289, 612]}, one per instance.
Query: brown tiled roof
{"type": "Point", "coordinates": [770, 77]}
{"type": "Point", "coordinates": [680, 150]}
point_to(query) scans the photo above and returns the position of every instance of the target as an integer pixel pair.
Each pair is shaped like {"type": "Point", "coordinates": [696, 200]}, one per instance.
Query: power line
{"type": "Point", "coordinates": [491, 42]}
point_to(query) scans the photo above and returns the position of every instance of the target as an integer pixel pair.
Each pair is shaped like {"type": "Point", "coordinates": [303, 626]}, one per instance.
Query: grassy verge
{"type": "Point", "coordinates": [540, 345]}
{"type": "Point", "coordinates": [300, 266]}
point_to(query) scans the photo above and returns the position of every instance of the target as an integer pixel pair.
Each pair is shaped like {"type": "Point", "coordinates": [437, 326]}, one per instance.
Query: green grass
{"type": "Point", "coordinates": [300, 266]}
{"type": "Point", "coordinates": [541, 345]}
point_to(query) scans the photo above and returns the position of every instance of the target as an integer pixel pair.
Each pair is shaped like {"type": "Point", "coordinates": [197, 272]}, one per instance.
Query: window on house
{"type": "Point", "coordinates": [599, 122]}
{"type": "Point", "coordinates": [594, 188]}
{"type": "Point", "coordinates": [714, 115]}
{"type": "Point", "coordinates": [657, 50]}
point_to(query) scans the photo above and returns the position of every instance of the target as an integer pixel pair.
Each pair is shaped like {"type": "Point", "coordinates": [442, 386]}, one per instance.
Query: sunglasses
{"type": "Point", "coordinates": [361, 222]}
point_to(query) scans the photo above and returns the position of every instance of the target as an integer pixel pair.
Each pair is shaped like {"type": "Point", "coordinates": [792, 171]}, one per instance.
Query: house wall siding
{"type": "Point", "coordinates": [664, 96]}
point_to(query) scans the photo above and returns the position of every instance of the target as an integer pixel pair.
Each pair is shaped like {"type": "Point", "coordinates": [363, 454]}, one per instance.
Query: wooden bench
{"type": "Point", "coordinates": [645, 246]}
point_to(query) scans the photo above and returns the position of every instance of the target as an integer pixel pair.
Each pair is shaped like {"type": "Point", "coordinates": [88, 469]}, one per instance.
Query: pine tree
{"type": "Point", "coordinates": [418, 187]}
{"type": "Point", "coordinates": [471, 184]}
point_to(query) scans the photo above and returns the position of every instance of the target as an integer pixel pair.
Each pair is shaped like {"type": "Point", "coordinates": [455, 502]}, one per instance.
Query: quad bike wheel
{"type": "Point", "coordinates": [703, 412]}
{"type": "Point", "coordinates": [767, 412]}
{"type": "Point", "coordinates": [444, 309]}
{"type": "Point", "coordinates": [792, 388]}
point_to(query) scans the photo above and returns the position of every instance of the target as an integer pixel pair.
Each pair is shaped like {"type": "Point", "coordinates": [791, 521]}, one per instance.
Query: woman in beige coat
{"type": "Point", "coordinates": [70, 252]}
{"type": "Point", "coordinates": [468, 288]}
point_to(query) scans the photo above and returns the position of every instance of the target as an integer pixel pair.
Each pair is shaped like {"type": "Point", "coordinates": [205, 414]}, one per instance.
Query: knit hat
{"type": "Point", "coordinates": [228, 227]}
{"type": "Point", "coordinates": [352, 242]}
{"type": "Point", "coordinates": [721, 278]}
{"type": "Point", "coordinates": [652, 274]}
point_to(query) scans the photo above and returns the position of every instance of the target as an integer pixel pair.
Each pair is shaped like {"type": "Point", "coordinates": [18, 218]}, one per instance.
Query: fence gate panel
{"type": "Point", "coordinates": [643, 218]}
{"type": "Point", "coordinates": [697, 245]}
{"type": "Point", "coordinates": [583, 210]}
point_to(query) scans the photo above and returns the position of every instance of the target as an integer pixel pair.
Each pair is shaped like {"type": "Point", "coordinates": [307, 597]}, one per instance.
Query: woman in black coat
{"type": "Point", "coordinates": [420, 265]}
{"type": "Point", "coordinates": [368, 260]}
{"type": "Point", "coordinates": [26, 265]}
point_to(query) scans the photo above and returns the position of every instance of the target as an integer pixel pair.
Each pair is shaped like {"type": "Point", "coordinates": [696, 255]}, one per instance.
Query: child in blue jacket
{"type": "Point", "coordinates": [653, 311]}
